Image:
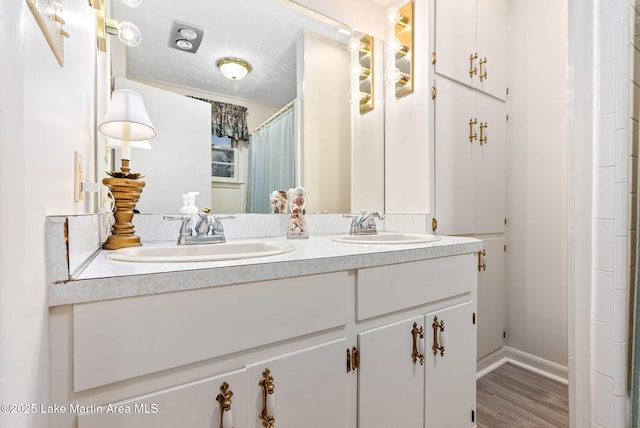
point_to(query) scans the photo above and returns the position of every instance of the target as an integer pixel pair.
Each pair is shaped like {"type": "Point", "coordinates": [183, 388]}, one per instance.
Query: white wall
{"type": "Point", "coordinates": [180, 159]}
{"type": "Point", "coordinates": [46, 112]}
{"type": "Point", "coordinates": [537, 181]}
{"type": "Point", "coordinates": [407, 163]}
{"type": "Point", "coordinates": [326, 119]}
{"type": "Point", "coordinates": [367, 145]}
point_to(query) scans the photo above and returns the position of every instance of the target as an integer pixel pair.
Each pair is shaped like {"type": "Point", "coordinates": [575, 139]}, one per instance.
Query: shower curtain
{"type": "Point", "coordinates": [272, 154]}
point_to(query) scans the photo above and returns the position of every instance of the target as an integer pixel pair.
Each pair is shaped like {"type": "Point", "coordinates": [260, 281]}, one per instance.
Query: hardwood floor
{"type": "Point", "coordinates": [513, 397]}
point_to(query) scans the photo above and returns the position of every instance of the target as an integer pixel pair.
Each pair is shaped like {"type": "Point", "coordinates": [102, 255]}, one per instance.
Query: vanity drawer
{"type": "Point", "coordinates": [385, 289]}
{"type": "Point", "coordinates": [115, 340]}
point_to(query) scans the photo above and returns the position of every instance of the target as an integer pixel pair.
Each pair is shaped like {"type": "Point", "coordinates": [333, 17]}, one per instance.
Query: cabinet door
{"type": "Point", "coordinates": [390, 384]}
{"type": "Point", "coordinates": [455, 153]}
{"type": "Point", "coordinates": [491, 165]}
{"type": "Point", "coordinates": [455, 39]}
{"type": "Point", "coordinates": [491, 298]}
{"type": "Point", "coordinates": [492, 44]}
{"type": "Point", "coordinates": [310, 388]}
{"type": "Point", "coordinates": [192, 405]}
{"type": "Point", "coordinates": [450, 379]}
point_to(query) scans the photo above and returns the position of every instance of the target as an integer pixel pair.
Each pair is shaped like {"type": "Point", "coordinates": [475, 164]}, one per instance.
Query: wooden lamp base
{"type": "Point", "coordinates": [126, 192]}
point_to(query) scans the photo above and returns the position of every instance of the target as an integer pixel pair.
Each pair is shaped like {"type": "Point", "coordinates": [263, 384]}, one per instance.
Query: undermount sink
{"type": "Point", "coordinates": [387, 238]}
{"type": "Point", "coordinates": [200, 253]}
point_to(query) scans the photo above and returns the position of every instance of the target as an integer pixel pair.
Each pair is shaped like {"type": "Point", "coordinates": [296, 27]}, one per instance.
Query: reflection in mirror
{"type": "Point", "coordinates": [299, 63]}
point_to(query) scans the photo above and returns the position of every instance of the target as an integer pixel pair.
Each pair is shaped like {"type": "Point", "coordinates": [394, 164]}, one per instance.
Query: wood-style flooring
{"type": "Point", "coordinates": [513, 397]}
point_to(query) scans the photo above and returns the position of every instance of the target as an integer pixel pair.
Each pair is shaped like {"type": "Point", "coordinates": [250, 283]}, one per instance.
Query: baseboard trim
{"type": "Point", "coordinates": [525, 360]}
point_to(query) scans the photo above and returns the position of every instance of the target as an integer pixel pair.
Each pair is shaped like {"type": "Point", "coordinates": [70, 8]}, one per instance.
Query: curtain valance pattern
{"type": "Point", "coordinates": [228, 120]}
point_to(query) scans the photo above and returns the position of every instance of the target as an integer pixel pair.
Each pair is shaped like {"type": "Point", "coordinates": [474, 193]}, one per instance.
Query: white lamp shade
{"type": "Point", "coordinates": [127, 118]}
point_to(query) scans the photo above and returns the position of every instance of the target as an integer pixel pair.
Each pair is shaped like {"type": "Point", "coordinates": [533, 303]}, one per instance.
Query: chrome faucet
{"type": "Point", "coordinates": [208, 229]}
{"type": "Point", "coordinates": [363, 223]}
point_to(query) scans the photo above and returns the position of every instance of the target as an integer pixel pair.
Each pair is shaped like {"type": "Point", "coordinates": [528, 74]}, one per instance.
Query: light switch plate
{"type": "Point", "coordinates": [78, 176]}
{"type": "Point", "coordinates": [48, 16]}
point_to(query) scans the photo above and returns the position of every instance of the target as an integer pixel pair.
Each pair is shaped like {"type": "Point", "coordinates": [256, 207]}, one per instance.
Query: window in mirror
{"type": "Point", "coordinates": [223, 158]}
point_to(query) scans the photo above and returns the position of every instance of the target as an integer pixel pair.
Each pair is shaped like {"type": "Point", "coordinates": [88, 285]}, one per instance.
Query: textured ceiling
{"type": "Point", "coordinates": [262, 32]}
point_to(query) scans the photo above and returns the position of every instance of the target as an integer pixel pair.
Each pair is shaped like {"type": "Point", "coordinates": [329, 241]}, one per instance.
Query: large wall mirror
{"type": "Point", "coordinates": [298, 58]}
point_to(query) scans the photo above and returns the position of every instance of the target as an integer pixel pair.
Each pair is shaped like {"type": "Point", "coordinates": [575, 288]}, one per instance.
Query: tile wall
{"type": "Point", "coordinates": [614, 214]}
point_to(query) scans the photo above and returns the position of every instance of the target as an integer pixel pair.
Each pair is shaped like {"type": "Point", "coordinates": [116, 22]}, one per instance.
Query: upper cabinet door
{"type": "Point", "coordinates": [455, 39]}
{"type": "Point", "coordinates": [456, 153]}
{"type": "Point", "coordinates": [492, 44]}
{"type": "Point", "coordinates": [471, 43]}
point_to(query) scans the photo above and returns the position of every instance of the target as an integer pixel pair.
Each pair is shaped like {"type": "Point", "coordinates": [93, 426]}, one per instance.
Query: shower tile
{"type": "Point", "coordinates": [607, 93]}
{"type": "Point", "coordinates": [622, 224]}
{"type": "Point", "coordinates": [602, 302]}
{"type": "Point", "coordinates": [607, 35]}
{"type": "Point", "coordinates": [622, 103]}
{"type": "Point", "coordinates": [603, 245]}
{"type": "Point", "coordinates": [604, 192]}
{"type": "Point", "coordinates": [606, 129]}
{"type": "Point", "coordinates": [602, 349]}
{"type": "Point", "coordinates": [620, 368]}
{"type": "Point", "coordinates": [621, 155]}
{"type": "Point", "coordinates": [620, 315]}
{"type": "Point", "coordinates": [602, 396]}
{"type": "Point", "coordinates": [620, 411]}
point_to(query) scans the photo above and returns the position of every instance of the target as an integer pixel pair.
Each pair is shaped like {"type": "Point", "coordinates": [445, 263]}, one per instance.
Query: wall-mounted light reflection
{"type": "Point", "coordinates": [401, 46]}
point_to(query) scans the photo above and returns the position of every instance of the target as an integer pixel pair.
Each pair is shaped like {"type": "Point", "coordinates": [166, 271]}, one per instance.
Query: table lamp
{"type": "Point", "coordinates": [126, 120]}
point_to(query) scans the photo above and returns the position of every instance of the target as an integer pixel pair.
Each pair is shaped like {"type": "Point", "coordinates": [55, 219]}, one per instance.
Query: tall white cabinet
{"type": "Point", "coordinates": [470, 89]}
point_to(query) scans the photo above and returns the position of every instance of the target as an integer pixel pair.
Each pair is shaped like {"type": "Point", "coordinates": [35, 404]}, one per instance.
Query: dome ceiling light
{"type": "Point", "coordinates": [233, 68]}
{"type": "Point", "coordinates": [185, 37]}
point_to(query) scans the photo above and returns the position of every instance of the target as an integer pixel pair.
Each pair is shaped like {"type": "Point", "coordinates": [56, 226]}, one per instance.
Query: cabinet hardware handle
{"type": "Point", "coordinates": [472, 66]}
{"type": "Point", "coordinates": [355, 358]}
{"type": "Point", "coordinates": [482, 266]}
{"type": "Point", "coordinates": [483, 69]}
{"type": "Point", "coordinates": [472, 134]}
{"type": "Point", "coordinates": [483, 133]}
{"type": "Point", "coordinates": [418, 344]}
{"type": "Point", "coordinates": [268, 399]}
{"type": "Point", "coordinates": [348, 360]}
{"type": "Point", "coordinates": [224, 399]}
{"type": "Point", "coordinates": [438, 337]}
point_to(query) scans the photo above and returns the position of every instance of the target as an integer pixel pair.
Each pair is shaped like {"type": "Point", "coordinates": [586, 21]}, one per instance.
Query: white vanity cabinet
{"type": "Point", "coordinates": [194, 404]}
{"type": "Point", "coordinates": [390, 384]}
{"type": "Point", "coordinates": [401, 382]}
{"type": "Point", "coordinates": [310, 388]}
{"type": "Point", "coordinates": [335, 349]}
{"type": "Point", "coordinates": [470, 161]}
{"type": "Point", "coordinates": [471, 43]}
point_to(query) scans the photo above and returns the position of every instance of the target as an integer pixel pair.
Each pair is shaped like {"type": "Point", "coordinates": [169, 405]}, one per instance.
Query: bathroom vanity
{"type": "Point", "coordinates": [331, 334]}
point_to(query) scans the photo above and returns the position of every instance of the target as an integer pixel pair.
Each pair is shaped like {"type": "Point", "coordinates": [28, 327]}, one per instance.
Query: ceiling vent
{"type": "Point", "coordinates": [185, 37]}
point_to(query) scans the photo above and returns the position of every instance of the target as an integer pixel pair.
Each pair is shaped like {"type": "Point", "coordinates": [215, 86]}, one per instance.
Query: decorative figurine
{"type": "Point", "coordinates": [297, 223]}
{"type": "Point", "coordinates": [279, 202]}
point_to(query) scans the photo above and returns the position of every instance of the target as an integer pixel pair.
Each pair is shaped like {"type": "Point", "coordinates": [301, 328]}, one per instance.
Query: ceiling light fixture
{"type": "Point", "coordinates": [233, 68]}
{"type": "Point", "coordinates": [186, 37]}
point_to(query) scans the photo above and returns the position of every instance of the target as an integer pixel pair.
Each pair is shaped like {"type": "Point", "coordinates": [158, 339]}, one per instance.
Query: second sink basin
{"type": "Point", "coordinates": [200, 253]}
{"type": "Point", "coordinates": [387, 238]}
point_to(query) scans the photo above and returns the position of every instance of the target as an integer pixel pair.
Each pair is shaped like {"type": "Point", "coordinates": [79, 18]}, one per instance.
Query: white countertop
{"type": "Point", "coordinates": [104, 278]}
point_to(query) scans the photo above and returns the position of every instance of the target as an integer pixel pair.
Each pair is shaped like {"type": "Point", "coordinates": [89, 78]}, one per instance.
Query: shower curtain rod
{"type": "Point", "coordinates": [279, 113]}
